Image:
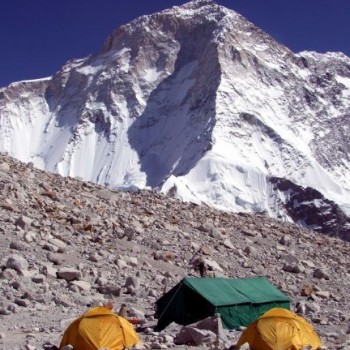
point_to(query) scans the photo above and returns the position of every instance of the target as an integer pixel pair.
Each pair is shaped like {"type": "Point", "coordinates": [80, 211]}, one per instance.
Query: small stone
{"type": "Point", "coordinates": [307, 291]}
{"type": "Point", "coordinates": [23, 222]}
{"type": "Point", "coordinates": [132, 283]}
{"type": "Point", "coordinates": [39, 278]}
{"type": "Point", "coordinates": [323, 294]}
{"type": "Point", "coordinates": [67, 347]}
{"type": "Point", "coordinates": [228, 244]}
{"type": "Point", "coordinates": [109, 290]}
{"type": "Point", "coordinates": [22, 302]}
{"type": "Point", "coordinates": [49, 271]}
{"type": "Point", "coordinates": [319, 273]}
{"type": "Point", "coordinates": [58, 243]}
{"type": "Point", "coordinates": [286, 240]}
{"type": "Point", "coordinates": [251, 251]}
{"type": "Point", "coordinates": [82, 285]}
{"type": "Point", "coordinates": [55, 258]}
{"type": "Point", "coordinates": [5, 167]}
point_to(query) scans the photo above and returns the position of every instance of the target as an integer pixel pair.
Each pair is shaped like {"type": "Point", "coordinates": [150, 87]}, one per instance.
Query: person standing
{"type": "Point", "coordinates": [202, 268]}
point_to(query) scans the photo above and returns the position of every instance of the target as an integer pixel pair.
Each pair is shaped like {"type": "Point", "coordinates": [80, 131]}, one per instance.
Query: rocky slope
{"type": "Point", "coordinates": [196, 101]}
{"type": "Point", "coordinates": [67, 245]}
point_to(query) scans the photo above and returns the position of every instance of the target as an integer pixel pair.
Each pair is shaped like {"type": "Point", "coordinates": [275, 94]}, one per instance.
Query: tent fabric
{"type": "Point", "coordinates": [280, 329]}
{"type": "Point", "coordinates": [221, 291]}
{"type": "Point", "coordinates": [98, 328]}
{"type": "Point", "coordinates": [239, 301]}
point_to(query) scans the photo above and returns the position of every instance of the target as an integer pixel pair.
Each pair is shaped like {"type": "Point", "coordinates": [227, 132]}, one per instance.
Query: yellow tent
{"type": "Point", "coordinates": [279, 329]}
{"type": "Point", "coordinates": [100, 328]}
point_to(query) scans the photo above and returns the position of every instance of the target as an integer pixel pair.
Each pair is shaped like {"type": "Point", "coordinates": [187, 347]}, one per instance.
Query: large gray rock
{"type": "Point", "coordinates": [5, 167]}
{"type": "Point", "coordinates": [39, 278]}
{"type": "Point", "coordinates": [23, 222]}
{"type": "Point", "coordinates": [18, 263]}
{"type": "Point", "coordinates": [251, 251]}
{"type": "Point", "coordinates": [195, 336]}
{"type": "Point", "coordinates": [82, 285]}
{"type": "Point", "coordinates": [214, 325]}
{"type": "Point", "coordinates": [56, 258]}
{"type": "Point", "coordinates": [109, 289]}
{"type": "Point", "coordinates": [58, 243]}
{"type": "Point", "coordinates": [321, 273]}
{"type": "Point", "coordinates": [68, 273]}
{"type": "Point", "coordinates": [132, 284]}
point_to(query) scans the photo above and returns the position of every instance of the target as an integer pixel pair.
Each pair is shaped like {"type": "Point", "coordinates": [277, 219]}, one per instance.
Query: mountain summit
{"type": "Point", "coordinates": [197, 102]}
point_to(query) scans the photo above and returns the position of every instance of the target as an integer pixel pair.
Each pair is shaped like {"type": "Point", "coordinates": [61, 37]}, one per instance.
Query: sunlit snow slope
{"type": "Point", "coordinates": [194, 101]}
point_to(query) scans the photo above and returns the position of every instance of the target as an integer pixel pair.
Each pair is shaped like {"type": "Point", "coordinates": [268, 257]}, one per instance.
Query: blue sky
{"type": "Point", "coordinates": [38, 36]}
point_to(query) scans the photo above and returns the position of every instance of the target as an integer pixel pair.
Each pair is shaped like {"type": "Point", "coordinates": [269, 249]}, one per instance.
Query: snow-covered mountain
{"type": "Point", "coordinates": [197, 102]}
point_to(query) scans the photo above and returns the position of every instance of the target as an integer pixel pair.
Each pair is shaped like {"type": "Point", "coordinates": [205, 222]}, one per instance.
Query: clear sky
{"type": "Point", "coordinates": [38, 36]}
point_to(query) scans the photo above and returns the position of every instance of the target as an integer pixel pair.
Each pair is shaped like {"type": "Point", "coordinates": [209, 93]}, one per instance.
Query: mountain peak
{"type": "Point", "coordinates": [196, 4]}
{"type": "Point", "coordinates": [169, 23]}
{"type": "Point", "coordinates": [197, 102]}
{"type": "Point", "coordinates": [201, 8]}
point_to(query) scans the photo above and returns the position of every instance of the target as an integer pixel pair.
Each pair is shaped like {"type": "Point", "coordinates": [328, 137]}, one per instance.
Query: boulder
{"type": "Point", "coordinates": [286, 240]}
{"type": "Point", "coordinates": [109, 289]}
{"type": "Point", "coordinates": [68, 273]}
{"type": "Point", "coordinates": [307, 291]}
{"type": "Point", "coordinates": [213, 265]}
{"type": "Point", "coordinates": [5, 167]}
{"type": "Point", "coordinates": [55, 258]}
{"type": "Point", "coordinates": [82, 285]}
{"type": "Point", "coordinates": [228, 244]}
{"type": "Point", "coordinates": [194, 336]}
{"type": "Point", "coordinates": [320, 273]}
{"type": "Point", "coordinates": [23, 222]}
{"type": "Point", "coordinates": [251, 251]}
{"type": "Point", "coordinates": [18, 263]}
{"type": "Point", "coordinates": [214, 325]}
{"type": "Point", "coordinates": [38, 278]}
{"type": "Point", "coordinates": [132, 284]}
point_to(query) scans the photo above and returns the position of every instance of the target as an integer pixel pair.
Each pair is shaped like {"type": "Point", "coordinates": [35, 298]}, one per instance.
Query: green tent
{"type": "Point", "coordinates": [239, 301]}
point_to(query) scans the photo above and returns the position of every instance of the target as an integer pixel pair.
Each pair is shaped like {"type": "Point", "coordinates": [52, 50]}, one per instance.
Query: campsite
{"type": "Point", "coordinates": [55, 267]}
{"type": "Point", "coordinates": [182, 186]}
{"type": "Point", "coordinates": [208, 306]}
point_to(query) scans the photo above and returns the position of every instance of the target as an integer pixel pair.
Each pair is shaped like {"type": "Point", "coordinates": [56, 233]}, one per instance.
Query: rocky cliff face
{"type": "Point", "coordinates": [310, 208]}
{"type": "Point", "coordinates": [196, 102]}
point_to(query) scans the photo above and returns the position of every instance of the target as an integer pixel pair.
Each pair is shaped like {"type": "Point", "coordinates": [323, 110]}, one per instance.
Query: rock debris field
{"type": "Point", "coordinates": [67, 245]}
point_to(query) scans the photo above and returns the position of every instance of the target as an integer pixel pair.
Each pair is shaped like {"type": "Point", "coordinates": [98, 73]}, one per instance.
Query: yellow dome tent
{"type": "Point", "coordinates": [279, 329]}
{"type": "Point", "coordinates": [98, 328]}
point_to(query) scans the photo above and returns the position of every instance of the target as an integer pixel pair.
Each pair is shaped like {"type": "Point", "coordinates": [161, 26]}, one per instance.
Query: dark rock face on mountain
{"type": "Point", "coordinates": [195, 101]}
{"type": "Point", "coordinates": [310, 208]}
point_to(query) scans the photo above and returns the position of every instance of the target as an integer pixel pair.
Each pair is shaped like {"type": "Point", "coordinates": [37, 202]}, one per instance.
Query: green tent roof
{"type": "Point", "coordinates": [224, 291]}
{"type": "Point", "coordinates": [238, 301]}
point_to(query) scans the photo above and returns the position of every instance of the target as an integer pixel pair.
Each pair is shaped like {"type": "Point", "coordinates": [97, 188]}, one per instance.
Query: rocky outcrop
{"type": "Point", "coordinates": [311, 209]}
